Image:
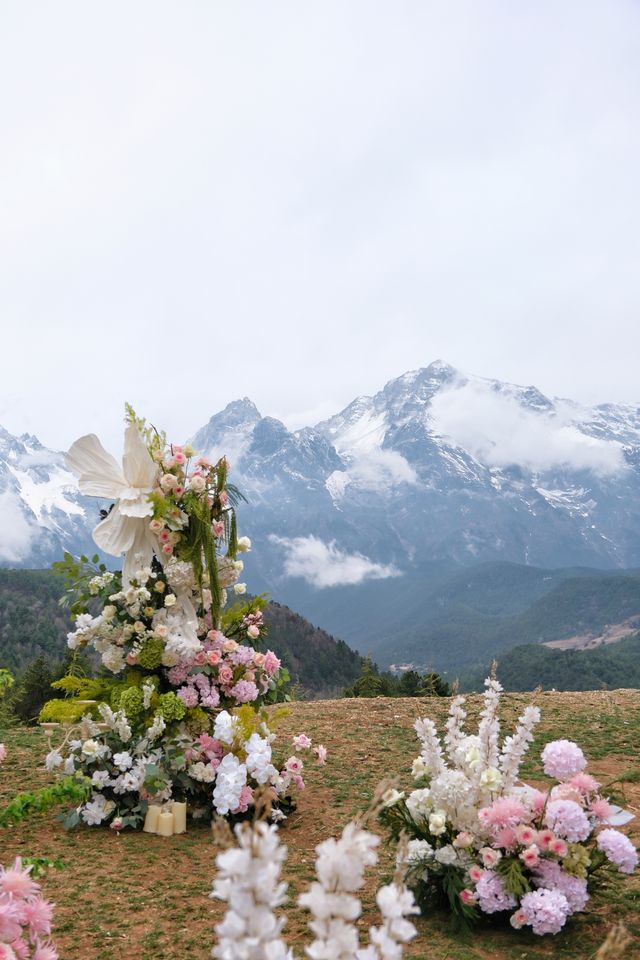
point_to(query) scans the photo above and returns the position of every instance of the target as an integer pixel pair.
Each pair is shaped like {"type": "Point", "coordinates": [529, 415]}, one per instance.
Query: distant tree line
{"type": "Point", "coordinates": [410, 683]}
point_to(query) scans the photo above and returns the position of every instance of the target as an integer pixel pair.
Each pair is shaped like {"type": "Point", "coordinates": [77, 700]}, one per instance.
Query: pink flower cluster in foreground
{"type": "Point", "coordinates": [25, 917]}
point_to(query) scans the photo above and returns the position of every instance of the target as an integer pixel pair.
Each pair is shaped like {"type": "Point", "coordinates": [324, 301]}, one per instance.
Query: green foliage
{"type": "Point", "coordinates": [64, 711]}
{"type": "Point", "coordinates": [76, 574]}
{"type": "Point", "coordinates": [511, 869]}
{"type": "Point", "coordinates": [68, 790]}
{"type": "Point", "coordinates": [34, 689]}
{"type": "Point", "coordinates": [372, 683]}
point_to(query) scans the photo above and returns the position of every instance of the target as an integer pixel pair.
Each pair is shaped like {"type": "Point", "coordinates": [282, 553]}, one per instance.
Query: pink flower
{"type": "Point", "coordinates": [131, 659]}
{"type": "Point", "coordinates": [468, 897]}
{"type": "Point", "coordinates": [490, 857]}
{"type": "Point", "coordinates": [45, 951]}
{"type": "Point", "coordinates": [156, 525]}
{"type": "Point", "coordinates": [545, 911]}
{"type": "Point", "coordinates": [189, 696]}
{"type": "Point", "coordinates": [301, 741]}
{"type": "Point", "coordinates": [218, 528]}
{"type": "Point", "coordinates": [503, 812]}
{"type": "Point", "coordinates": [245, 691]}
{"type": "Point", "coordinates": [558, 848]}
{"type": "Point", "coordinates": [506, 838]}
{"type": "Point", "coordinates": [258, 659]}
{"type": "Point", "coordinates": [538, 800]}
{"type": "Point", "coordinates": [462, 840]}
{"type": "Point", "coordinates": [253, 631]}
{"type": "Point", "coordinates": [601, 808]}
{"type": "Point", "coordinates": [321, 754]}
{"type": "Point", "coordinates": [10, 926]}
{"type": "Point", "coordinates": [223, 497]}
{"type": "Point", "coordinates": [200, 658]}
{"type": "Point", "coordinates": [475, 873]}
{"type": "Point", "coordinates": [245, 800]}
{"type": "Point", "coordinates": [294, 765]}
{"type": "Point", "coordinates": [545, 837]}
{"type": "Point", "coordinates": [492, 895]}
{"type": "Point", "coordinates": [618, 849]}
{"type": "Point", "coordinates": [531, 856]}
{"type": "Point", "coordinates": [225, 674]}
{"type": "Point", "coordinates": [21, 948]}
{"type": "Point", "coordinates": [116, 824]}
{"type": "Point", "coordinates": [526, 834]}
{"type": "Point", "coordinates": [178, 455]}
{"type": "Point", "coordinates": [3, 753]}
{"type": "Point", "coordinates": [7, 952]}
{"type": "Point", "coordinates": [15, 880]}
{"type": "Point", "coordinates": [584, 783]}
{"type": "Point", "coordinates": [562, 759]}
{"type": "Point", "coordinates": [271, 663]}
{"type": "Point", "coordinates": [568, 820]}
{"type": "Point", "coordinates": [167, 549]}
{"type": "Point", "coordinates": [518, 919]}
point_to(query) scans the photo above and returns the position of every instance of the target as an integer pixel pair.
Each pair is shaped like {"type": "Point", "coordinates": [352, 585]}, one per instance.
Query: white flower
{"type": "Point", "coordinates": [126, 528]}
{"type": "Point", "coordinates": [202, 772]}
{"type": "Point", "coordinates": [391, 797]}
{"type": "Point", "coordinates": [258, 760]}
{"type": "Point", "coordinates": [419, 768]}
{"type": "Point", "coordinates": [122, 760]}
{"type": "Point", "coordinates": [231, 777]}
{"type": "Point", "coordinates": [490, 779]}
{"type": "Point", "coordinates": [100, 778]}
{"type": "Point", "coordinates": [225, 728]}
{"type": "Point", "coordinates": [53, 759]}
{"type": "Point", "coordinates": [419, 850]}
{"type": "Point", "coordinates": [446, 855]}
{"type": "Point", "coordinates": [239, 589]}
{"type": "Point", "coordinates": [419, 804]}
{"type": "Point", "coordinates": [244, 544]}
{"type": "Point", "coordinates": [437, 823]}
{"type": "Point", "coordinates": [91, 749]}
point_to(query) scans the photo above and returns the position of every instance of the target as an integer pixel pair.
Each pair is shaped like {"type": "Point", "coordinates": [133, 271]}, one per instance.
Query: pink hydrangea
{"type": "Point", "coordinates": [618, 849]}
{"type": "Point", "coordinates": [189, 696]}
{"type": "Point", "coordinates": [562, 759]}
{"type": "Point", "coordinates": [245, 691]}
{"type": "Point", "coordinates": [568, 820]}
{"type": "Point", "coordinates": [492, 895]}
{"type": "Point", "coordinates": [551, 876]}
{"type": "Point", "coordinates": [545, 911]}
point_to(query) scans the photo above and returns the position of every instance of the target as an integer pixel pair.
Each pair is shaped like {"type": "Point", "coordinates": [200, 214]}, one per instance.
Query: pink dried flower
{"type": "Point", "coordinates": [562, 759]}
{"type": "Point", "coordinates": [601, 808]}
{"type": "Point", "coordinates": [618, 849]}
{"type": "Point", "coordinates": [15, 880]}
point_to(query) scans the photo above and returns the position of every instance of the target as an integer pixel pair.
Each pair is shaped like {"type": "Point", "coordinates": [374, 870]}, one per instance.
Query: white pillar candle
{"type": "Point", "coordinates": [165, 824]}
{"type": "Point", "coordinates": [179, 817]}
{"type": "Point", "coordinates": [151, 819]}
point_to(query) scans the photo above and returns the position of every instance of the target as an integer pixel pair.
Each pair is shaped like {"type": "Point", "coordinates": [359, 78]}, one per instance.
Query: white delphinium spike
{"type": "Point", "coordinates": [515, 747]}
{"type": "Point", "coordinates": [248, 881]}
{"type": "Point", "coordinates": [431, 751]}
{"type": "Point", "coordinates": [387, 941]}
{"type": "Point", "coordinates": [455, 728]}
{"type": "Point", "coordinates": [340, 869]}
{"type": "Point", "coordinates": [489, 729]}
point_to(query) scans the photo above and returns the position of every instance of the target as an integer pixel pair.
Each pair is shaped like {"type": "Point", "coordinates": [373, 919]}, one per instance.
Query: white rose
{"type": "Point", "coordinates": [90, 749]}
{"type": "Point", "coordinates": [170, 600]}
{"type": "Point", "coordinates": [419, 768]}
{"type": "Point", "coordinates": [244, 544]}
{"type": "Point", "coordinates": [491, 778]}
{"type": "Point", "coordinates": [238, 565]}
{"type": "Point", "coordinates": [438, 822]}
{"type": "Point", "coordinates": [239, 589]}
{"type": "Point", "coordinates": [197, 484]}
{"type": "Point", "coordinates": [109, 612]}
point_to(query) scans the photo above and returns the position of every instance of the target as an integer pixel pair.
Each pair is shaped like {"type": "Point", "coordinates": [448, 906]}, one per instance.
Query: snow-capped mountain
{"type": "Point", "coordinates": [41, 511]}
{"type": "Point", "coordinates": [438, 468]}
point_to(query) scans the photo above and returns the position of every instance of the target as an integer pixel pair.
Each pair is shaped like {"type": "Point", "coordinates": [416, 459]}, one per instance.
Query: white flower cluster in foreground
{"type": "Point", "coordinates": [249, 882]}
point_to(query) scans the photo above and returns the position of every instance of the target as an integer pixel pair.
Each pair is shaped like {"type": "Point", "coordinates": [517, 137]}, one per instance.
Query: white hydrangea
{"type": "Point", "coordinates": [420, 804]}
{"type": "Point", "coordinates": [202, 772]}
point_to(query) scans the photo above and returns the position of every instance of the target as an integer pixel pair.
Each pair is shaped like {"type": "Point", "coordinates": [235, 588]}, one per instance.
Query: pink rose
{"type": "Point", "coordinates": [531, 856]}
{"type": "Point", "coordinates": [213, 657]}
{"type": "Point", "coordinates": [468, 897]}
{"type": "Point", "coordinates": [475, 873]}
{"type": "Point", "coordinates": [321, 754]}
{"type": "Point", "coordinates": [200, 658]}
{"type": "Point", "coordinates": [301, 741]}
{"type": "Point", "coordinates": [225, 674]}
{"type": "Point", "coordinates": [253, 632]}
{"type": "Point", "coordinates": [559, 848]}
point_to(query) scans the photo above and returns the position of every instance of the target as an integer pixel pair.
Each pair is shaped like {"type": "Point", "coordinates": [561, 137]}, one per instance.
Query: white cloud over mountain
{"type": "Point", "coordinates": [325, 565]}
{"type": "Point", "coordinates": [496, 429]}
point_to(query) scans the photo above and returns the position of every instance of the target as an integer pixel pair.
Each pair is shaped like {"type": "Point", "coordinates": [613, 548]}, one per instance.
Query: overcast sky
{"type": "Point", "coordinates": [299, 201]}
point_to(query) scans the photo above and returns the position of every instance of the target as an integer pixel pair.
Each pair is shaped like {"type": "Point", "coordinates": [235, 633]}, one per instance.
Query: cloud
{"type": "Point", "coordinates": [498, 431]}
{"type": "Point", "coordinates": [17, 533]}
{"type": "Point", "coordinates": [324, 565]}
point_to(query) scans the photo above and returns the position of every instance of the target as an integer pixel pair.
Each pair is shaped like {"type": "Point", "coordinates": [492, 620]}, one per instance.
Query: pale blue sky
{"type": "Point", "coordinates": [299, 201]}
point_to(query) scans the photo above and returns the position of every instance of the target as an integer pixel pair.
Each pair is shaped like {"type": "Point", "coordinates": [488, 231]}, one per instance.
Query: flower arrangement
{"type": "Point", "coordinates": [249, 882]}
{"type": "Point", "coordinates": [487, 843]}
{"type": "Point", "coordinates": [25, 916]}
{"type": "Point", "coordinates": [180, 710]}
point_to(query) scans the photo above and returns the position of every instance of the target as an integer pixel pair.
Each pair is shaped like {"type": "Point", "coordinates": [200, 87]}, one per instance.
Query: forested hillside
{"type": "Point", "coordinates": [32, 624]}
